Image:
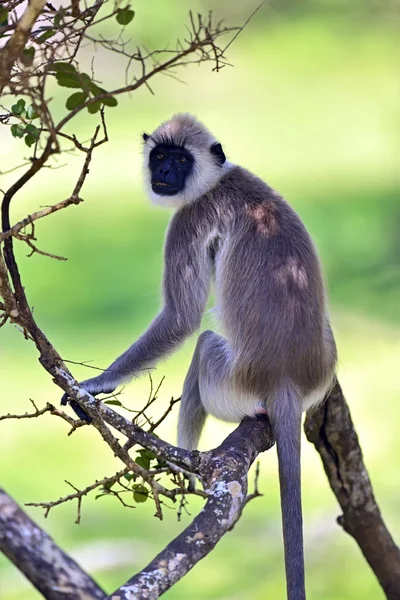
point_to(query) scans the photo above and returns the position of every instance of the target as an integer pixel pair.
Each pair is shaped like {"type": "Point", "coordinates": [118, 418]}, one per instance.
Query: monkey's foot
{"type": "Point", "coordinates": [80, 413]}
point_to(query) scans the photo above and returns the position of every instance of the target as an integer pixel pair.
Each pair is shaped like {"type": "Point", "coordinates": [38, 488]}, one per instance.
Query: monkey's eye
{"type": "Point", "coordinates": [160, 156]}
{"type": "Point", "coordinates": [182, 160]}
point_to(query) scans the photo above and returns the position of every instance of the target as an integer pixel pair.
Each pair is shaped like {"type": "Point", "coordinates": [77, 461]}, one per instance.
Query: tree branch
{"type": "Point", "coordinates": [48, 210]}
{"type": "Point", "coordinates": [332, 432]}
{"type": "Point", "coordinates": [35, 554]}
{"type": "Point", "coordinates": [13, 48]}
{"type": "Point", "coordinates": [224, 472]}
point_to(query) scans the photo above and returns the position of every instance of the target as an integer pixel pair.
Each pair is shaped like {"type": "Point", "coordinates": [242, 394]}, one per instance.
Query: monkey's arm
{"type": "Point", "coordinates": [187, 275]}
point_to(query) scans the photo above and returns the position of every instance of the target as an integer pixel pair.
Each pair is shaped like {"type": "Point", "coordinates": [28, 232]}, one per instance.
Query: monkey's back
{"type": "Point", "coordinates": [270, 290]}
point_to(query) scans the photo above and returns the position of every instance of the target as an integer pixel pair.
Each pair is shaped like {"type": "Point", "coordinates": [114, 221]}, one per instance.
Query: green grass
{"type": "Point", "coordinates": [312, 107]}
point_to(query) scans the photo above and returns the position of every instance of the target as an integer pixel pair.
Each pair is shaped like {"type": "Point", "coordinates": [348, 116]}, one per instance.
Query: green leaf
{"type": "Point", "coordinates": [28, 55]}
{"type": "Point", "coordinates": [30, 140]}
{"type": "Point", "coordinates": [18, 108]}
{"type": "Point", "coordinates": [69, 80]}
{"type": "Point", "coordinates": [73, 79]}
{"type": "Point", "coordinates": [59, 16]}
{"type": "Point", "coordinates": [3, 17]}
{"type": "Point", "coordinates": [45, 36]}
{"type": "Point", "coordinates": [98, 91]}
{"type": "Point", "coordinates": [114, 402]}
{"type": "Point", "coordinates": [110, 101]}
{"type": "Point", "coordinates": [18, 130]}
{"type": "Point", "coordinates": [125, 16]}
{"type": "Point", "coordinates": [129, 476]}
{"type": "Point", "coordinates": [85, 81]}
{"type": "Point", "coordinates": [147, 453]}
{"type": "Point", "coordinates": [73, 102]}
{"type": "Point", "coordinates": [31, 113]}
{"type": "Point", "coordinates": [143, 462]}
{"type": "Point", "coordinates": [140, 493]}
{"type": "Point", "coordinates": [32, 130]}
{"type": "Point", "coordinates": [94, 108]}
{"type": "Point", "coordinates": [62, 67]}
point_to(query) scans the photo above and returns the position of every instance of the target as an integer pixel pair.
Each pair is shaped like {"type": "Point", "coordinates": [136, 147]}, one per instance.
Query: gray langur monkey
{"type": "Point", "coordinates": [278, 354]}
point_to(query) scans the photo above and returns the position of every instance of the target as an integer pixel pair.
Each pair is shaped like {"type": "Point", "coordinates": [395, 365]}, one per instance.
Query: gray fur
{"type": "Point", "coordinates": [278, 353]}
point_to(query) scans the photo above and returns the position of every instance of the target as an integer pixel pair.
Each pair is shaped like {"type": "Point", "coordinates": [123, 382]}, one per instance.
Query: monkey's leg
{"type": "Point", "coordinates": [210, 388]}
{"type": "Point", "coordinates": [219, 392]}
{"type": "Point", "coordinates": [192, 415]}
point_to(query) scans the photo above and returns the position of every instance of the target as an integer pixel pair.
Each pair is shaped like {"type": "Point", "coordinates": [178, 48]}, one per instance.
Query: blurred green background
{"type": "Point", "coordinates": [312, 106]}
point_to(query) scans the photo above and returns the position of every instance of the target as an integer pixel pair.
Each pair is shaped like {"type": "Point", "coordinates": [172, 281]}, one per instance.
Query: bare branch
{"type": "Point", "coordinates": [79, 494]}
{"type": "Point", "coordinates": [35, 554]}
{"type": "Point", "coordinates": [49, 408]}
{"type": "Point", "coordinates": [6, 292]}
{"type": "Point", "coordinates": [27, 415]}
{"type": "Point", "coordinates": [49, 210]}
{"type": "Point", "coordinates": [14, 46]}
{"type": "Point", "coordinates": [332, 432]}
{"type": "Point", "coordinates": [224, 471]}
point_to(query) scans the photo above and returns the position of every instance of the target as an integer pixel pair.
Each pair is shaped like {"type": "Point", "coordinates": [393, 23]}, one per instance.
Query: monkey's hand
{"type": "Point", "coordinates": [96, 385]}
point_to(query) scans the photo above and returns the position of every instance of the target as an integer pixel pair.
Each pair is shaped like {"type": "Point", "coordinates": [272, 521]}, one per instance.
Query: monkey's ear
{"type": "Point", "coordinates": [216, 149]}
{"type": "Point", "coordinates": [145, 137]}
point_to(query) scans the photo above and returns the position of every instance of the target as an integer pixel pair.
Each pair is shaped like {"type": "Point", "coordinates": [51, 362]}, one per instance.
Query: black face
{"type": "Point", "coordinates": [169, 166]}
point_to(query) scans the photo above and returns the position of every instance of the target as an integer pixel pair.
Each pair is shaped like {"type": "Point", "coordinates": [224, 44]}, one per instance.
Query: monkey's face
{"type": "Point", "coordinates": [169, 166]}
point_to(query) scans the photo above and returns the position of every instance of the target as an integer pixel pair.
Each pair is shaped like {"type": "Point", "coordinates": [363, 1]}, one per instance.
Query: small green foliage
{"type": "Point", "coordinates": [113, 402]}
{"type": "Point", "coordinates": [144, 459]}
{"type": "Point", "coordinates": [67, 76]}
{"type": "Point", "coordinates": [30, 140]}
{"type": "Point", "coordinates": [109, 101]}
{"type": "Point", "coordinates": [129, 476]}
{"type": "Point", "coordinates": [17, 130]}
{"type": "Point", "coordinates": [3, 17]}
{"type": "Point", "coordinates": [45, 36]}
{"type": "Point", "coordinates": [58, 17]}
{"type": "Point", "coordinates": [143, 462]}
{"type": "Point", "coordinates": [100, 495]}
{"type": "Point", "coordinates": [98, 91]}
{"type": "Point", "coordinates": [69, 80]}
{"type": "Point", "coordinates": [18, 109]}
{"type": "Point", "coordinates": [32, 130]}
{"type": "Point", "coordinates": [31, 113]}
{"type": "Point", "coordinates": [28, 55]}
{"type": "Point", "coordinates": [94, 108]}
{"type": "Point", "coordinates": [85, 81]}
{"type": "Point", "coordinates": [62, 67]}
{"type": "Point", "coordinates": [140, 493]}
{"type": "Point", "coordinates": [125, 15]}
{"type": "Point", "coordinates": [148, 453]}
{"type": "Point", "coordinates": [73, 102]}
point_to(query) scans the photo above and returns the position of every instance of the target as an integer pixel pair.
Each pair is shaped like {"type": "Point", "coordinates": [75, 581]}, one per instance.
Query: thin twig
{"type": "Point", "coordinates": [79, 494]}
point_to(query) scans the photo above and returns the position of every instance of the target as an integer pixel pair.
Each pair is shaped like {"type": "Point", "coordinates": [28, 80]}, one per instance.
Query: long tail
{"type": "Point", "coordinates": [285, 413]}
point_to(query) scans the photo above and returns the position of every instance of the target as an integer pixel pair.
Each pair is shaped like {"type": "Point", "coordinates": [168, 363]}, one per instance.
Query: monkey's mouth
{"type": "Point", "coordinates": [163, 189]}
